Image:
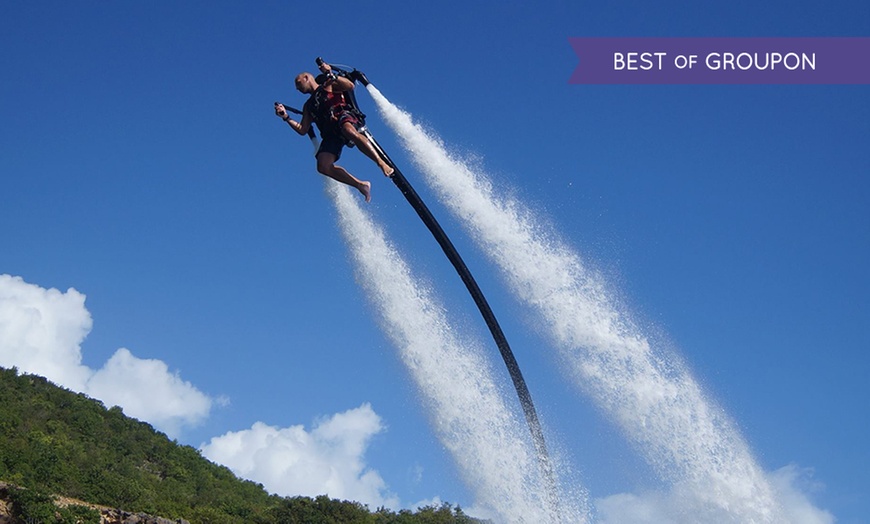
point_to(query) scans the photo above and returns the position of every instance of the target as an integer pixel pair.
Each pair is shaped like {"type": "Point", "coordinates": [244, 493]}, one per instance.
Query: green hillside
{"type": "Point", "coordinates": [54, 441]}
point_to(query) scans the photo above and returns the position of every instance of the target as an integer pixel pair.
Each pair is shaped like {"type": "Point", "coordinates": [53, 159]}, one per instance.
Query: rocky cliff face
{"type": "Point", "coordinates": [107, 515]}
{"type": "Point", "coordinates": [117, 516]}
{"type": "Point", "coordinates": [5, 510]}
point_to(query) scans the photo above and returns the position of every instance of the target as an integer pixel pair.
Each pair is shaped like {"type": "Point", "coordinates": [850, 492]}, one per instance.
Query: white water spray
{"type": "Point", "coordinates": [489, 444]}
{"type": "Point", "coordinates": [689, 440]}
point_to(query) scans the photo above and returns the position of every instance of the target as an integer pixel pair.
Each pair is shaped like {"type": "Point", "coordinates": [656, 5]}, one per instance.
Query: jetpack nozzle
{"type": "Point", "coordinates": [360, 77]}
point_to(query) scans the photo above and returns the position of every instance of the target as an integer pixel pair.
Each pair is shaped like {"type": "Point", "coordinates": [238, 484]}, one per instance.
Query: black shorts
{"type": "Point", "coordinates": [333, 141]}
{"type": "Point", "coordinates": [331, 144]}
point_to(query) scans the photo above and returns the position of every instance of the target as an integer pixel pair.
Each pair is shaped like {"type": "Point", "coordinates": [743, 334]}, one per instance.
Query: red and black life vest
{"type": "Point", "coordinates": [326, 108]}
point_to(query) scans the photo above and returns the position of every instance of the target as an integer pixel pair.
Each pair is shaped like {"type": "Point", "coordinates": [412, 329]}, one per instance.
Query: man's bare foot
{"type": "Point", "coordinates": [388, 171]}
{"type": "Point", "coordinates": [366, 189]}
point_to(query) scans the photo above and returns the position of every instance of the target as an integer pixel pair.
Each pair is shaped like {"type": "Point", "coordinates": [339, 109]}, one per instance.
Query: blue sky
{"type": "Point", "coordinates": [142, 166]}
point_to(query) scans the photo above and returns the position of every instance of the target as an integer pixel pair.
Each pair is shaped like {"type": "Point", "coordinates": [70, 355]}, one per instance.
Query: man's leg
{"type": "Point", "coordinates": [326, 166]}
{"type": "Point", "coordinates": [366, 147]}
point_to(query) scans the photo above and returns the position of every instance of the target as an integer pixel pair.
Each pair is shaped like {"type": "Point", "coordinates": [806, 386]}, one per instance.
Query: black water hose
{"type": "Point", "coordinates": [489, 317]}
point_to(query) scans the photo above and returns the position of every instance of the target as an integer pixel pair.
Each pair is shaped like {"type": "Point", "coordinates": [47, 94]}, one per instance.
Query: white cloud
{"type": "Point", "coordinates": [147, 390]}
{"type": "Point", "coordinates": [41, 331]}
{"type": "Point", "coordinates": [678, 506]}
{"type": "Point", "coordinates": [329, 459]}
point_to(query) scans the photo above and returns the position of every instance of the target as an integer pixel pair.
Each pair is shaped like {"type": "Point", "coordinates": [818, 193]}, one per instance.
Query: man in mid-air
{"type": "Point", "coordinates": [329, 108]}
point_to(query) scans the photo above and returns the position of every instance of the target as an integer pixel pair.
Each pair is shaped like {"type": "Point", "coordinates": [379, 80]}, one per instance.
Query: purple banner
{"type": "Point", "coordinates": [721, 60]}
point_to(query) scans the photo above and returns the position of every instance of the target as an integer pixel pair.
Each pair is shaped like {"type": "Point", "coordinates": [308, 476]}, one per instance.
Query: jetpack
{"type": "Point", "coordinates": [449, 249]}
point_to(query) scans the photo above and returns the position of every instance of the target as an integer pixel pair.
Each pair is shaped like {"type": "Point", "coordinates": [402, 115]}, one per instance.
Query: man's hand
{"type": "Point", "coordinates": [280, 111]}
{"type": "Point", "coordinates": [300, 127]}
{"type": "Point", "coordinates": [327, 70]}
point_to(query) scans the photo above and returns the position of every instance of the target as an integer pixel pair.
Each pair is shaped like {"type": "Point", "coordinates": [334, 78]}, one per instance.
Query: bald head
{"type": "Point", "coordinates": [305, 83]}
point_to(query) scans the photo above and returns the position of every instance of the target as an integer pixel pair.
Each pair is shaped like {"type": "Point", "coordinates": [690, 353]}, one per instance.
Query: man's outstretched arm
{"type": "Point", "coordinates": [300, 127]}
